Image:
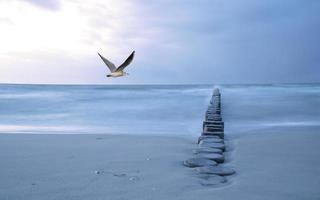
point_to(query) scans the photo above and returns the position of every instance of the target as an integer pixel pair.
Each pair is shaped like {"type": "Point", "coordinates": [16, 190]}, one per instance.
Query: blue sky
{"type": "Point", "coordinates": [180, 42]}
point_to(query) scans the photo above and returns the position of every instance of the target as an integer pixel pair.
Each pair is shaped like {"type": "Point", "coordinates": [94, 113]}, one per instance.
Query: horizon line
{"type": "Point", "coordinates": [164, 84]}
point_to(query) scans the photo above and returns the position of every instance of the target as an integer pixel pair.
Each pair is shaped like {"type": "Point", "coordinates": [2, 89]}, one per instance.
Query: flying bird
{"type": "Point", "coordinates": [117, 71]}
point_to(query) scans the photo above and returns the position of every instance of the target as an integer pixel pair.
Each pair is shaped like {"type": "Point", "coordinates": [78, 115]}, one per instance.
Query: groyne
{"type": "Point", "coordinates": [209, 155]}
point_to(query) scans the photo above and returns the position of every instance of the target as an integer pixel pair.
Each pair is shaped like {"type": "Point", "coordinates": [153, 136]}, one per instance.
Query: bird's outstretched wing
{"type": "Point", "coordinates": [109, 64]}
{"type": "Point", "coordinates": [126, 63]}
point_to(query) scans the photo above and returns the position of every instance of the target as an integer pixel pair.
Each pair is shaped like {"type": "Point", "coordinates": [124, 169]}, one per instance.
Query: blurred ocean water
{"type": "Point", "coordinates": [120, 109]}
{"type": "Point", "coordinates": [153, 109]}
{"type": "Point", "coordinates": [255, 107]}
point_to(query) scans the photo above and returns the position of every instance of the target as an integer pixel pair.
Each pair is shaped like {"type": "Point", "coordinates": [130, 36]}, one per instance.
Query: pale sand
{"type": "Point", "coordinates": [277, 164]}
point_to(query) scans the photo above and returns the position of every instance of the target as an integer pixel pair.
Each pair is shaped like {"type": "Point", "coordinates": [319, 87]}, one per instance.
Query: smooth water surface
{"type": "Point", "coordinates": [153, 109]}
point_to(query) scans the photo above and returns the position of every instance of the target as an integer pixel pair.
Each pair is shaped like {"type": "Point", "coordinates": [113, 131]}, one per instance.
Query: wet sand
{"type": "Point", "coordinates": [279, 163]}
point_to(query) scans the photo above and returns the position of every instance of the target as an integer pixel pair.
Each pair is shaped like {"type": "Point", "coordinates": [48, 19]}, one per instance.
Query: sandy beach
{"type": "Point", "coordinates": [278, 164]}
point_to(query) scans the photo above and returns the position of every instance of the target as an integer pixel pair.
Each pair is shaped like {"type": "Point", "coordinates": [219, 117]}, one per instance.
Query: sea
{"type": "Point", "coordinates": [153, 109]}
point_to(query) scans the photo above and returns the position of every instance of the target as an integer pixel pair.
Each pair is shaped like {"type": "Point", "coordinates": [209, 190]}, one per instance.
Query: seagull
{"type": "Point", "coordinates": [117, 71]}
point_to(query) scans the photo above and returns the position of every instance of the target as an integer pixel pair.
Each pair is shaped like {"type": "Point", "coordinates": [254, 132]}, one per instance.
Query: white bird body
{"type": "Point", "coordinates": [117, 72]}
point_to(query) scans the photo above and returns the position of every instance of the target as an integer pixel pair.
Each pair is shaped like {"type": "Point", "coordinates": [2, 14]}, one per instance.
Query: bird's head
{"type": "Point", "coordinates": [125, 73]}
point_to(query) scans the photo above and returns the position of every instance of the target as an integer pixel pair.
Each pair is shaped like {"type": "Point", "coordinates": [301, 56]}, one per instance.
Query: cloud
{"type": "Point", "coordinates": [176, 41]}
{"type": "Point", "coordinates": [46, 4]}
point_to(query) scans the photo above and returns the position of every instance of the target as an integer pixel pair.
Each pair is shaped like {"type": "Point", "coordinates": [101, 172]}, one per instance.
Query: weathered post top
{"type": "Point", "coordinates": [216, 92]}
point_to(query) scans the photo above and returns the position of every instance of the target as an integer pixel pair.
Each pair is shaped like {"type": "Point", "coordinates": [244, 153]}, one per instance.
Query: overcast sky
{"type": "Point", "coordinates": [176, 41]}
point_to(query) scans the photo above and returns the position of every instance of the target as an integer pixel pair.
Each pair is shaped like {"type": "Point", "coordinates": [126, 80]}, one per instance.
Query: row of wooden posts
{"type": "Point", "coordinates": [213, 124]}
{"type": "Point", "coordinates": [209, 156]}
